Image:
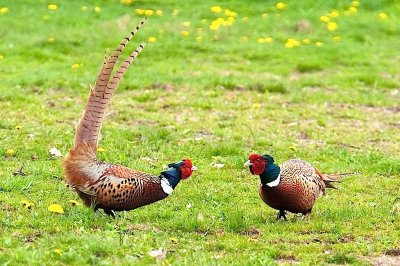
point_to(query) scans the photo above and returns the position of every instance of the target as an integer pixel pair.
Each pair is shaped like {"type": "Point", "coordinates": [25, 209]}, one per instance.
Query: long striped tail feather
{"type": "Point", "coordinates": [88, 130]}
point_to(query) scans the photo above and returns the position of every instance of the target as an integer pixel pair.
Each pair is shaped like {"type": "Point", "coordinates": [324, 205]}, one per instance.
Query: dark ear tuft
{"type": "Point", "coordinates": [268, 158]}
{"type": "Point", "coordinates": [172, 165]}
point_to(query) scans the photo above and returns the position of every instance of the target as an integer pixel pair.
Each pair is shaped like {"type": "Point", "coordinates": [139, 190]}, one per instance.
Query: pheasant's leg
{"type": "Point", "coordinates": [281, 213]}
{"type": "Point", "coordinates": [110, 212]}
{"type": "Point", "coordinates": [303, 216]}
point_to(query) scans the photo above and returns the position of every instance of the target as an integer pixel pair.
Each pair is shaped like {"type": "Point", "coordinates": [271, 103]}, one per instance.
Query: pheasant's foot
{"type": "Point", "coordinates": [304, 214]}
{"type": "Point", "coordinates": [110, 212]}
{"type": "Point", "coordinates": [281, 213]}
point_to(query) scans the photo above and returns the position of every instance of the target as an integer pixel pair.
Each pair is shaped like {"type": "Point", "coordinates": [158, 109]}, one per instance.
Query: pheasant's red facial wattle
{"type": "Point", "coordinates": [186, 169]}
{"type": "Point", "coordinates": [258, 164]}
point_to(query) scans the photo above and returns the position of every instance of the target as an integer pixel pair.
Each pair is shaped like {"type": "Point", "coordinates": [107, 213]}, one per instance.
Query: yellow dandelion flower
{"type": "Point", "coordinates": [216, 9]}
{"type": "Point", "coordinates": [230, 13]}
{"type": "Point", "coordinates": [352, 10]}
{"type": "Point", "coordinates": [97, 9]}
{"type": "Point", "coordinates": [331, 26]}
{"type": "Point", "coordinates": [51, 39]}
{"type": "Point", "coordinates": [244, 38]}
{"type": "Point", "coordinates": [230, 19]}
{"type": "Point", "coordinates": [186, 24]}
{"type": "Point", "coordinates": [293, 148]}
{"type": "Point", "coordinates": [4, 10]}
{"type": "Point", "coordinates": [84, 8]}
{"type": "Point", "coordinates": [264, 15]}
{"type": "Point", "coordinates": [336, 38]}
{"type": "Point", "coordinates": [216, 23]}
{"type": "Point", "coordinates": [159, 12]}
{"type": "Point", "coordinates": [355, 3]}
{"type": "Point", "coordinates": [1, 56]}
{"type": "Point", "coordinates": [75, 66]}
{"type": "Point", "coordinates": [324, 18]}
{"type": "Point", "coordinates": [382, 16]}
{"type": "Point", "coordinates": [265, 40]}
{"type": "Point", "coordinates": [149, 12]}
{"type": "Point", "coordinates": [256, 106]}
{"type": "Point", "coordinates": [306, 41]}
{"type": "Point", "coordinates": [334, 14]}
{"type": "Point", "coordinates": [291, 43]}
{"type": "Point", "coordinates": [56, 208]}
{"type": "Point", "coordinates": [100, 149]}
{"type": "Point", "coordinates": [281, 6]}
{"type": "Point", "coordinates": [204, 21]}
{"type": "Point", "coordinates": [268, 40]}
{"type": "Point", "coordinates": [74, 203]}
{"type": "Point", "coordinates": [57, 251]}
{"type": "Point", "coordinates": [52, 7]}
{"type": "Point", "coordinates": [173, 240]}
{"type": "Point", "coordinates": [18, 127]}
{"type": "Point", "coordinates": [27, 204]}
{"type": "Point", "coordinates": [319, 44]}
{"type": "Point", "coordinates": [10, 152]}
{"type": "Point", "coordinates": [139, 11]}
{"type": "Point", "coordinates": [185, 33]}
{"type": "Point", "coordinates": [214, 26]}
{"type": "Point", "coordinates": [199, 38]}
{"type": "Point", "coordinates": [126, 2]}
{"type": "Point", "coordinates": [175, 12]}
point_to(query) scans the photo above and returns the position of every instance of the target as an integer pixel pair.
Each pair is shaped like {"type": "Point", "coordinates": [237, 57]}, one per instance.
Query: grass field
{"type": "Point", "coordinates": [284, 81]}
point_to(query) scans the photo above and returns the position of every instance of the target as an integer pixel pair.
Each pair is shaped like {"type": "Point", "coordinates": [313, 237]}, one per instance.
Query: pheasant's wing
{"type": "Point", "coordinates": [304, 174]}
{"type": "Point", "coordinates": [121, 188]}
{"type": "Point", "coordinates": [116, 178]}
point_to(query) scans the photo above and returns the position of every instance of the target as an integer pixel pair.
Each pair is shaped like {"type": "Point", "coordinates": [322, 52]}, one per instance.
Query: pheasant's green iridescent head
{"type": "Point", "coordinates": [257, 163]}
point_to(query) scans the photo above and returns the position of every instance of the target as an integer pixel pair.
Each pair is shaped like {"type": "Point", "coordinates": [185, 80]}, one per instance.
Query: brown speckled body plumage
{"type": "Point", "coordinates": [108, 186]}
{"type": "Point", "coordinates": [111, 187]}
{"type": "Point", "coordinates": [300, 185]}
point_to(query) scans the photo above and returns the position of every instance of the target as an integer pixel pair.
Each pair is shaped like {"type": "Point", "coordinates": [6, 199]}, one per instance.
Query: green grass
{"type": "Point", "coordinates": [218, 99]}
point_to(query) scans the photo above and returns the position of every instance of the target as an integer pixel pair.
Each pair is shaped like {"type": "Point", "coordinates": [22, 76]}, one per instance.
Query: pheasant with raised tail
{"type": "Point", "coordinates": [108, 186]}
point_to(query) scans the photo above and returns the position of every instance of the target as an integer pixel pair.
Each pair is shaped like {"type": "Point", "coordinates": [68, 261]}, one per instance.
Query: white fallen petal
{"type": "Point", "coordinates": [200, 217]}
{"type": "Point", "coordinates": [217, 165]}
{"type": "Point", "coordinates": [53, 151]}
{"type": "Point", "coordinates": [160, 254]}
{"type": "Point", "coordinates": [156, 253]}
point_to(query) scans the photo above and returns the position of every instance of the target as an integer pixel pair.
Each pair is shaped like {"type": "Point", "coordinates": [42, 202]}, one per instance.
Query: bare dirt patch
{"type": "Point", "coordinates": [383, 260]}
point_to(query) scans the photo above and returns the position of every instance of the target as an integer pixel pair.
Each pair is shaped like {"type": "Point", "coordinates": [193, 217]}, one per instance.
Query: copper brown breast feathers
{"type": "Point", "coordinates": [292, 186]}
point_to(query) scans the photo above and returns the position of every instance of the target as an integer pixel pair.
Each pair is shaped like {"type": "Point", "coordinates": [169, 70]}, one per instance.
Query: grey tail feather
{"type": "Point", "coordinates": [332, 178]}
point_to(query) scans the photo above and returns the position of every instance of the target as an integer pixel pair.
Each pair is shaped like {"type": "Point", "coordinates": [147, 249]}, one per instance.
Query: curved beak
{"type": "Point", "coordinates": [194, 168]}
{"type": "Point", "coordinates": [248, 163]}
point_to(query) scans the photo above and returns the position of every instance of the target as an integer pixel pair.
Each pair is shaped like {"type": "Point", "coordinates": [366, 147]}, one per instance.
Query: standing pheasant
{"type": "Point", "coordinates": [293, 186]}
{"type": "Point", "coordinates": [108, 186]}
